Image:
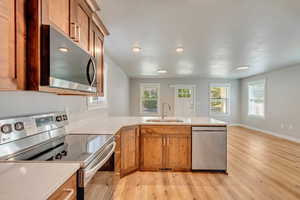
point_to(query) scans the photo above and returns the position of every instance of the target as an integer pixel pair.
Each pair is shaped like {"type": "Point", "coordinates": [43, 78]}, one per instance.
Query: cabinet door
{"type": "Point", "coordinates": [151, 152]}
{"type": "Point", "coordinates": [57, 12]}
{"type": "Point", "coordinates": [83, 25]}
{"type": "Point", "coordinates": [96, 44]}
{"type": "Point", "coordinates": [129, 150]}
{"type": "Point", "coordinates": [178, 152]}
{"type": "Point", "coordinates": [7, 45]}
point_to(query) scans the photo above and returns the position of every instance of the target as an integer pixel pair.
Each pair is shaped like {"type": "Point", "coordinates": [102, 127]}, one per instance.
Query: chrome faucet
{"type": "Point", "coordinates": [163, 113]}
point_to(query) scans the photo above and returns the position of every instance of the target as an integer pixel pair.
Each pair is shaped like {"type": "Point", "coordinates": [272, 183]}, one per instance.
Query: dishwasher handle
{"type": "Point", "coordinates": [208, 132]}
{"type": "Point", "coordinates": [209, 128]}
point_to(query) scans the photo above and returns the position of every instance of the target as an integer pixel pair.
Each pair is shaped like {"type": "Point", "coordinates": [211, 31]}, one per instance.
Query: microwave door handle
{"type": "Point", "coordinates": [95, 72]}
{"type": "Point", "coordinates": [91, 82]}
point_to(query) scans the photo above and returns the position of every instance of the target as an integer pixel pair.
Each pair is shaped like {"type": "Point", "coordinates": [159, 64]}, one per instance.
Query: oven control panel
{"type": "Point", "coordinates": [19, 127]}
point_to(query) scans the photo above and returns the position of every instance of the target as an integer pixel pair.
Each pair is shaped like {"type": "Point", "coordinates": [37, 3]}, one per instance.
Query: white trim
{"type": "Point", "coordinates": [228, 85]}
{"type": "Point", "coordinates": [292, 139]}
{"type": "Point", "coordinates": [251, 83]}
{"type": "Point", "coordinates": [142, 86]}
{"type": "Point", "coordinates": [181, 85]}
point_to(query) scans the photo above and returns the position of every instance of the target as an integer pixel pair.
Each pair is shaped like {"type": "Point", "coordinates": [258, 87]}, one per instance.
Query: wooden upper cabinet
{"type": "Point", "coordinates": [72, 17]}
{"type": "Point", "coordinates": [12, 44]}
{"type": "Point", "coordinates": [129, 150]}
{"type": "Point", "coordinates": [80, 18]}
{"type": "Point", "coordinates": [178, 152]}
{"type": "Point", "coordinates": [57, 12]}
{"type": "Point", "coordinates": [96, 44]}
{"type": "Point", "coordinates": [83, 21]}
{"type": "Point", "coordinates": [7, 48]}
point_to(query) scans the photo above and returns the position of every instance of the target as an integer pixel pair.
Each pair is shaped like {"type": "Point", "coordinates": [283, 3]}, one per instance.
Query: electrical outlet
{"type": "Point", "coordinates": [291, 127]}
{"type": "Point", "coordinates": [282, 126]}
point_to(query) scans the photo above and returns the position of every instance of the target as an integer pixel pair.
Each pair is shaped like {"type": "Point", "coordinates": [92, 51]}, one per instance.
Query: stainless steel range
{"type": "Point", "coordinates": [43, 137]}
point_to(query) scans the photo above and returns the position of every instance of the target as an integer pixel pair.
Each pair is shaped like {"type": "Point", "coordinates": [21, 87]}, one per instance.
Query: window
{"type": "Point", "coordinates": [256, 98]}
{"type": "Point", "coordinates": [96, 102]}
{"type": "Point", "coordinates": [219, 99]}
{"type": "Point", "coordinates": [184, 93]}
{"type": "Point", "coordinates": [149, 98]}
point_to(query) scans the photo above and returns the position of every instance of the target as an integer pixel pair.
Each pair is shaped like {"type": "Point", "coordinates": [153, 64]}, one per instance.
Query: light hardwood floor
{"type": "Point", "coordinates": [259, 167]}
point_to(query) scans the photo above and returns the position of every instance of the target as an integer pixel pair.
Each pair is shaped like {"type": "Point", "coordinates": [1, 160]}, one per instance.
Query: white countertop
{"type": "Point", "coordinates": [34, 181]}
{"type": "Point", "coordinates": [111, 125]}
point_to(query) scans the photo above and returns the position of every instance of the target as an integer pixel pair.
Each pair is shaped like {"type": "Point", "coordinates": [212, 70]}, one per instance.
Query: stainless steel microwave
{"type": "Point", "coordinates": [64, 64]}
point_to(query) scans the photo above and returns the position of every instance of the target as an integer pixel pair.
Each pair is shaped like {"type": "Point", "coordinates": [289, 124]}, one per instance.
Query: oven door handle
{"type": "Point", "coordinates": [89, 173]}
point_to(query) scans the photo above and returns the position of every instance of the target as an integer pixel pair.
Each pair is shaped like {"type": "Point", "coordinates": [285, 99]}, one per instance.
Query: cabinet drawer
{"type": "Point", "coordinates": [68, 191]}
{"type": "Point", "coordinates": [166, 129]}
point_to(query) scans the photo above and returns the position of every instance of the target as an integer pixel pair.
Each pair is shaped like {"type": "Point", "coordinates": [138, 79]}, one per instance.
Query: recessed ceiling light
{"type": "Point", "coordinates": [162, 71]}
{"type": "Point", "coordinates": [63, 49]}
{"type": "Point", "coordinates": [179, 49]}
{"type": "Point", "coordinates": [136, 49]}
{"type": "Point", "coordinates": [242, 67]}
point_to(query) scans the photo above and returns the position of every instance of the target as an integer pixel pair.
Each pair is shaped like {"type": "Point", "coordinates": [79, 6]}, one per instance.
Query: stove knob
{"type": "Point", "coordinates": [6, 128]}
{"type": "Point", "coordinates": [58, 118]}
{"type": "Point", "coordinates": [58, 156]}
{"type": "Point", "coordinates": [65, 117]}
{"type": "Point", "coordinates": [19, 126]}
{"type": "Point", "coordinates": [64, 153]}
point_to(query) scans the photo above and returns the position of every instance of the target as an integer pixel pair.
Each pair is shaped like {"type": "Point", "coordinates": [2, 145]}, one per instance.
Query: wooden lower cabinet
{"type": "Point", "coordinates": [67, 191]}
{"type": "Point", "coordinates": [129, 150]}
{"type": "Point", "coordinates": [178, 152]}
{"type": "Point", "coordinates": [153, 148]}
{"type": "Point", "coordinates": [151, 157]}
{"type": "Point", "coordinates": [165, 148]}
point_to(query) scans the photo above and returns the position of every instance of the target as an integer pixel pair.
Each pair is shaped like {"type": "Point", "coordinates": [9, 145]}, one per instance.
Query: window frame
{"type": "Point", "coordinates": [226, 85]}
{"type": "Point", "coordinates": [101, 102]}
{"type": "Point", "coordinates": [144, 85]}
{"type": "Point", "coordinates": [248, 98]}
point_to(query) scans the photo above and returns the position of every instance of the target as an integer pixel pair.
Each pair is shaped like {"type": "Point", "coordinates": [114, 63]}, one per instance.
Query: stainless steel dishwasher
{"type": "Point", "coordinates": [209, 148]}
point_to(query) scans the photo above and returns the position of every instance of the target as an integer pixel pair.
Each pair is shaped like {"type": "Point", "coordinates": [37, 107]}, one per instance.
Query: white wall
{"type": "Point", "coordinates": [202, 92]}
{"type": "Point", "coordinates": [117, 89]}
{"type": "Point", "coordinates": [282, 103]}
{"type": "Point", "coordinates": [27, 102]}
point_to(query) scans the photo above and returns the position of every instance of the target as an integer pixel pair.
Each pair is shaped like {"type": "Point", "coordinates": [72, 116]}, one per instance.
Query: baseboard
{"type": "Point", "coordinates": [292, 139]}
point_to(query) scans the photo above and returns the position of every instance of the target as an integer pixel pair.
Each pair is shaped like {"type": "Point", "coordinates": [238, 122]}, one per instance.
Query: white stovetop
{"type": "Point", "coordinates": [111, 125]}
{"type": "Point", "coordinates": [34, 181]}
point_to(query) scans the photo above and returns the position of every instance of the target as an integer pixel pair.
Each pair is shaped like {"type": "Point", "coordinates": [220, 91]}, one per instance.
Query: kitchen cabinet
{"type": "Point", "coordinates": [97, 50]}
{"type": "Point", "coordinates": [151, 152]}
{"type": "Point", "coordinates": [127, 150]}
{"type": "Point", "coordinates": [57, 13]}
{"type": "Point", "coordinates": [72, 17]}
{"type": "Point", "coordinates": [12, 44]}
{"type": "Point", "coordinates": [80, 17]}
{"type": "Point", "coordinates": [75, 19]}
{"type": "Point", "coordinates": [67, 191]}
{"type": "Point", "coordinates": [178, 152]}
{"type": "Point", "coordinates": [165, 148]}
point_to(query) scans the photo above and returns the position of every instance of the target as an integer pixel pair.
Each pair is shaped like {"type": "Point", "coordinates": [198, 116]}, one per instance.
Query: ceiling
{"type": "Point", "coordinates": [218, 36]}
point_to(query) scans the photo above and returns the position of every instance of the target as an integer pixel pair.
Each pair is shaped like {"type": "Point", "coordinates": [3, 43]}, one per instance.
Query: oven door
{"type": "Point", "coordinates": [86, 174]}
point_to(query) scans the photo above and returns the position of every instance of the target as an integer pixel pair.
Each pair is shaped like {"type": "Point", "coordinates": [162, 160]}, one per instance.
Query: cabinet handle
{"type": "Point", "coordinates": [78, 33]}
{"type": "Point", "coordinates": [73, 31]}
{"type": "Point", "coordinates": [70, 191]}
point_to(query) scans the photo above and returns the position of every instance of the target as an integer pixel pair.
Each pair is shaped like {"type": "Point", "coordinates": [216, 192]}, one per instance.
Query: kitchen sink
{"type": "Point", "coordinates": [164, 120]}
